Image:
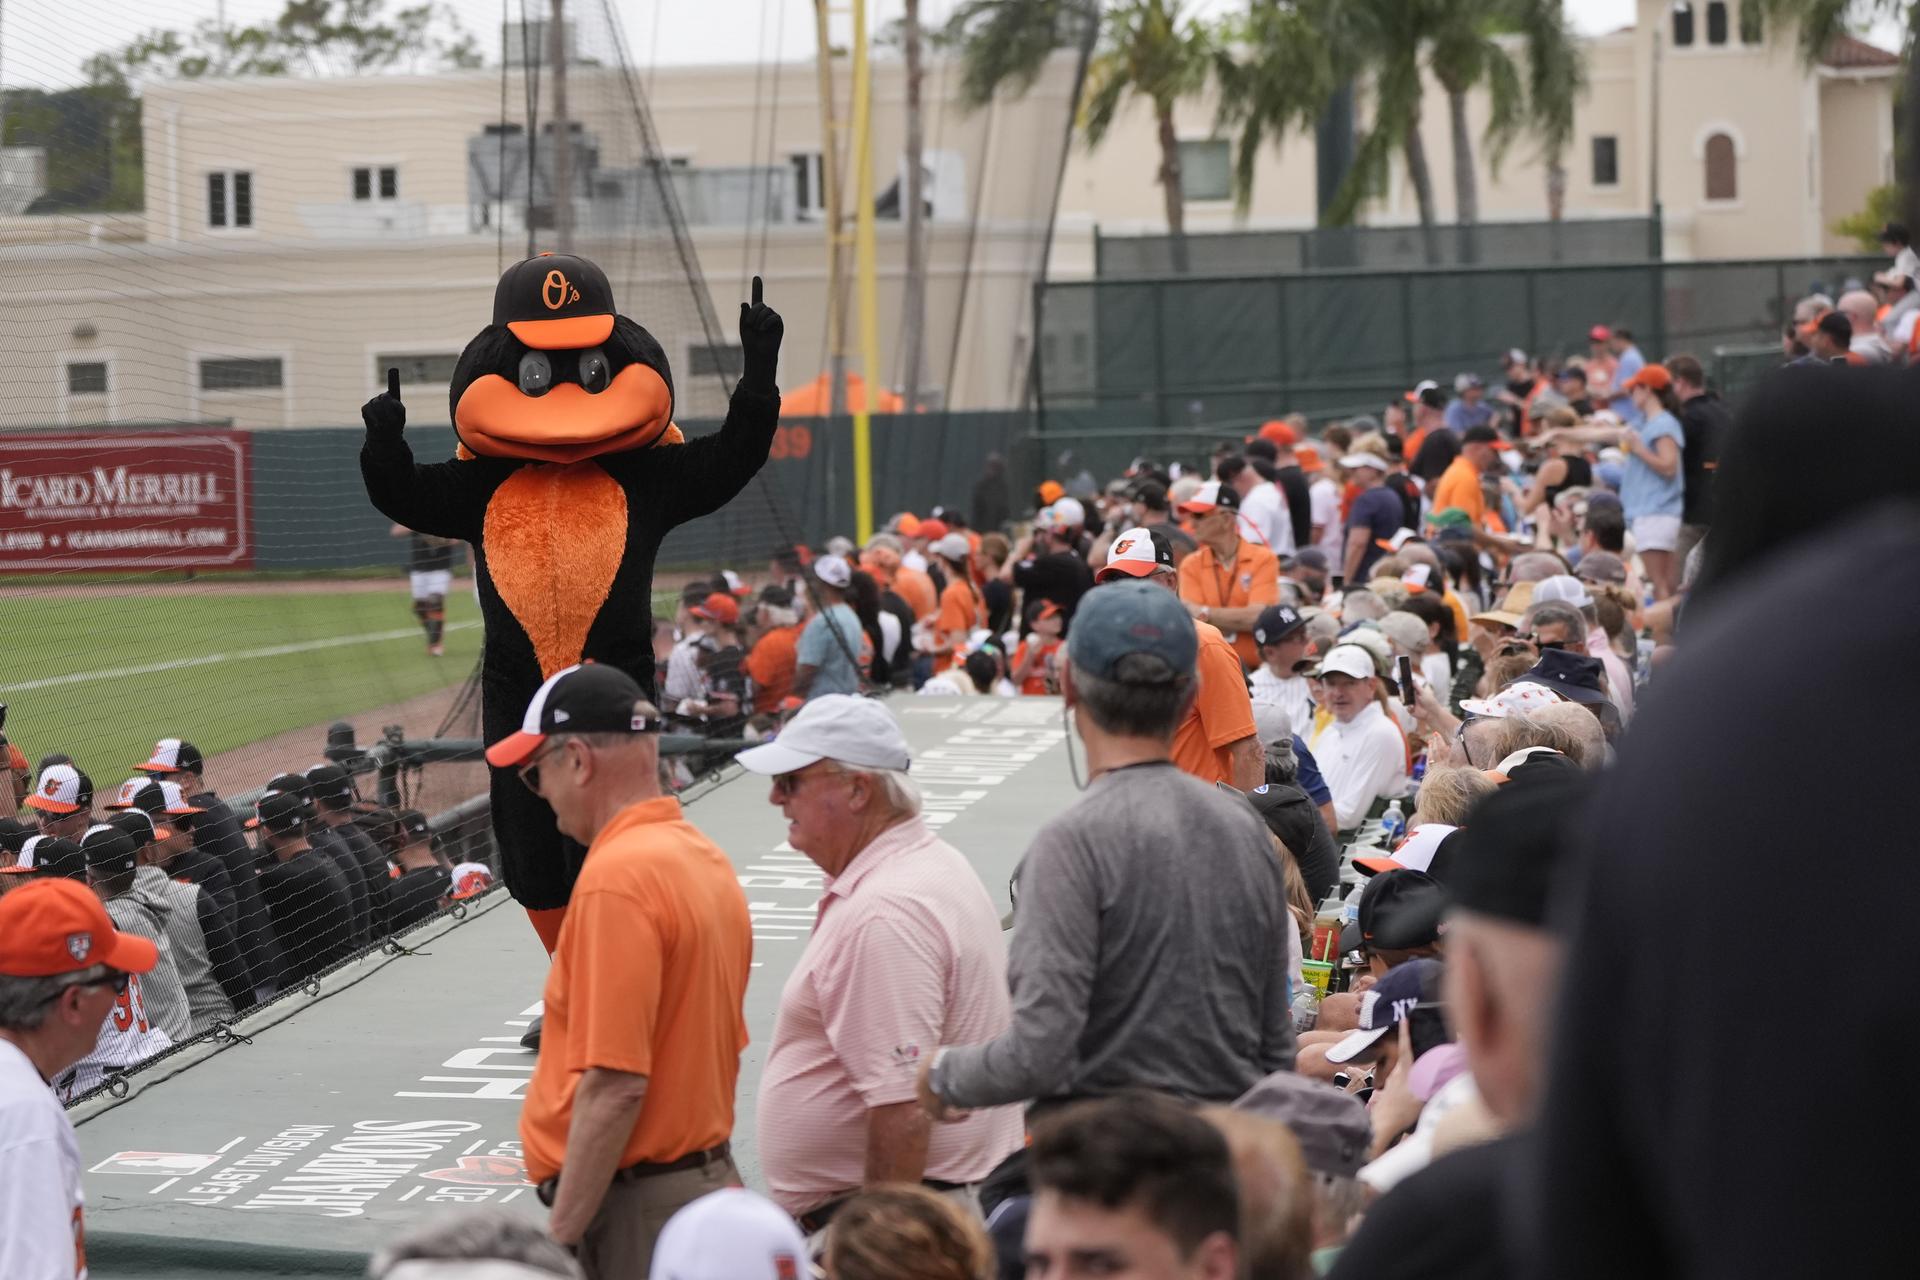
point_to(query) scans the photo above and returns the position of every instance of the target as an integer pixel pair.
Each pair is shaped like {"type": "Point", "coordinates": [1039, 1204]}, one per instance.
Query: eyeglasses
{"type": "Point", "coordinates": [117, 980]}
{"type": "Point", "coordinates": [530, 771]}
{"type": "Point", "coordinates": [788, 784]}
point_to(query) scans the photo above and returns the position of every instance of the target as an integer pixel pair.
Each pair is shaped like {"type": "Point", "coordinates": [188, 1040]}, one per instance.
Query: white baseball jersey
{"type": "Point", "coordinates": [126, 1039]}
{"type": "Point", "coordinates": [40, 1223]}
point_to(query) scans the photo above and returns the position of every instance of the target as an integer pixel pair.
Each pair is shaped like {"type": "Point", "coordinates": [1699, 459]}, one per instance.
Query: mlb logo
{"type": "Point", "coordinates": [175, 1164]}
{"type": "Point", "coordinates": [79, 945]}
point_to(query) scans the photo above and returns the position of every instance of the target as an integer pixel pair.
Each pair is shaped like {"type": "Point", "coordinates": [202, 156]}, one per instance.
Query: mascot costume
{"type": "Point", "coordinates": [570, 471]}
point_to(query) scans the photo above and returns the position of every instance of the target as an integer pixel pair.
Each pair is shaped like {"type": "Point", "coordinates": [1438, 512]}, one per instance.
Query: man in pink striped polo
{"type": "Point", "coordinates": [906, 955]}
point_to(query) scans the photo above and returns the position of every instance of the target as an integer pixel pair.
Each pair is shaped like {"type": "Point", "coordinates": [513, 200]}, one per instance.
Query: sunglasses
{"type": "Point", "coordinates": [1538, 643]}
{"type": "Point", "coordinates": [530, 771]}
{"type": "Point", "coordinates": [788, 784]}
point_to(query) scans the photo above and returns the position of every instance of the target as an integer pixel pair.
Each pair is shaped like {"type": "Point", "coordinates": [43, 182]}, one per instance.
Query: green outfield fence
{"type": "Point", "coordinates": [1148, 355]}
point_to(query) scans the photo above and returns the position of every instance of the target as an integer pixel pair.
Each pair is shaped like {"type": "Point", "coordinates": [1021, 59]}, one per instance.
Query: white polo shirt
{"type": "Point", "coordinates": [1361, 759]}
{"type": "Point", "coordinates": [40, 1198]}
{"type": "Point", "coordinates": [1264, 511]}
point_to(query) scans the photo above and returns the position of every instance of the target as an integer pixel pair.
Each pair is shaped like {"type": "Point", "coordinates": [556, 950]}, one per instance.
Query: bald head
{"type": "Point", "coordinates": [1859, 308]}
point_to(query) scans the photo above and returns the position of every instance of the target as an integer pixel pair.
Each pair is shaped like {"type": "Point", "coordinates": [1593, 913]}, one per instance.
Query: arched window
{"type": "Point", "coordinates": [1682, 25]}
{"type": "Point", "coordinates": [1723, 180]}
{"type": "Point", "coordinates": [1717, 22]}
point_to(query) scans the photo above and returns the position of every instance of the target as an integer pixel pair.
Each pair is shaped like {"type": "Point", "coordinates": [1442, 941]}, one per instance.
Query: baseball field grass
{"type": "Point", "coordinates": [101, 674]}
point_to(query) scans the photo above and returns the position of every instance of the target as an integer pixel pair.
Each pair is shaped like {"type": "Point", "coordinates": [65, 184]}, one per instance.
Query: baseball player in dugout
{"type": "Point", "coordinates": [630, 1108]}
{"type": "Point", "coordinates": [64, 969]}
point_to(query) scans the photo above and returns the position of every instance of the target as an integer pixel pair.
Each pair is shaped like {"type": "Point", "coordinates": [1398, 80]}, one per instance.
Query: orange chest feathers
{"type": "Point", "coordinates": [555, 536]}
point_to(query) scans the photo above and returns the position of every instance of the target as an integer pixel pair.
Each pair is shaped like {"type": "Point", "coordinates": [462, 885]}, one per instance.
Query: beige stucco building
{"type": "Point", "coordinates": [299, 235]}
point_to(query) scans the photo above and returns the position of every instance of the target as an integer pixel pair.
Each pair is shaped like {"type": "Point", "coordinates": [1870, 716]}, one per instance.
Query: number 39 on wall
{"type": "Point", "coordinates": [792, 442]}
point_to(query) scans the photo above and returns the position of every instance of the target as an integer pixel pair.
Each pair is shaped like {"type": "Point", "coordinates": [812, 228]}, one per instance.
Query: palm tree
{"type": "Point", "coordinates": [1150, 51]}
{"type": "Point", "coordinates": [1147, 48]}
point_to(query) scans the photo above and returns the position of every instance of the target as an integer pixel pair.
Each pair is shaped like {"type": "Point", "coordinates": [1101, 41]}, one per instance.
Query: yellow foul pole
{"type": "Point", "coordinates": [867, 298]}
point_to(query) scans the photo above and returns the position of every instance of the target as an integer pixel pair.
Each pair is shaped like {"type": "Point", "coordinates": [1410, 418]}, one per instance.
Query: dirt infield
{"type": "Point", "coordinates": [433, 789]}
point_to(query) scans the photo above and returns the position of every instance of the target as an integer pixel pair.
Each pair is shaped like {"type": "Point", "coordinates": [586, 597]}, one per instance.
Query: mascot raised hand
{"type": "Point", "coordinates": [569, 473]}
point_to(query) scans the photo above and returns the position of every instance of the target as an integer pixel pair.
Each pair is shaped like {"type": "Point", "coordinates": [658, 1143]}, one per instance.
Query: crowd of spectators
{"type": "Point", "coordinates": [238, 920]}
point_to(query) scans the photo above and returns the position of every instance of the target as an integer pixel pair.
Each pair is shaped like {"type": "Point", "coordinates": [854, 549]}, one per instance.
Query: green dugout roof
{"type": "Point", "coordinates": [336, 1122]}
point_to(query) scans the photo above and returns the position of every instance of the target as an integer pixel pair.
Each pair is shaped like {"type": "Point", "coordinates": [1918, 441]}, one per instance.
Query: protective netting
{"type": "Point", "coordinates": [221, 223]}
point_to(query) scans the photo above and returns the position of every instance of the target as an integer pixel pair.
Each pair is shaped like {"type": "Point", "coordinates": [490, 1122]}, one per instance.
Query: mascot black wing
{"type": "Point", "coordinates": [570, 472]}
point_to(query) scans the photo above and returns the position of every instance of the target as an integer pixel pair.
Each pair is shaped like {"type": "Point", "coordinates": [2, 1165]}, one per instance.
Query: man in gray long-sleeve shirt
{"type": "Point", "coordinates": [1151, 949]}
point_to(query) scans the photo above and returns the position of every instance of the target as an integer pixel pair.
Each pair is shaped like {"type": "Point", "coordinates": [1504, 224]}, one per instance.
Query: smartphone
{"type": "Point", "coordinates": [1406, 680]}
{"type": "Point", "coordinates": [1339, 583]}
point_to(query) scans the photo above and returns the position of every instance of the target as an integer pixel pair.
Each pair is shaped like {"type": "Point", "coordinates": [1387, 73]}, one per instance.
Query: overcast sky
{"type": "Point", "coordinates": [44, 42]}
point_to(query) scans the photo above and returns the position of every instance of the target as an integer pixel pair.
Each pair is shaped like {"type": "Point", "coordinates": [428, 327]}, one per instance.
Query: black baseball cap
{"type": "Point", "coordinates": [1151, 494]}
{"type": "Point", "coordinates": [780, 597]}
{"type": "Point", "coordinates": [1574, 676]}
{"type": "Point", "coordinates": [1399, 910]}
{"type": "Point", "coordinates": [1275, 623]}
{"type": "Point", "coordinates": [281, 812]}
{"type": "Point", "coordinates": [1480, 433]}
{"type": "Point", "coordinates": [414, 826]}
{"type": "Point", "coordinates": [48, 857]}
{"type": "Point", "coordinates": [15, 833]}
{"type": "Point", "coordinates": [589, 698]}
{"type": "Point", "coordinates": [1515, 845]}
{"type": "Point", "coordinates": [109, 850]}
{"type": "Point", "coordinates": [136, 826]}
{"type": "Point", "coordinates": [555, 302]}
{"type": "Point", "coordinates": [329, 782]}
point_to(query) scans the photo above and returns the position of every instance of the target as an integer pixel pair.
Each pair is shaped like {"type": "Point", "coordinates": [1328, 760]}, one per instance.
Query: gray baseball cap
{"type": "Point", "coordinates": [1331, 1126]}
{"type": "Point", "coordinates": [1119, 619]}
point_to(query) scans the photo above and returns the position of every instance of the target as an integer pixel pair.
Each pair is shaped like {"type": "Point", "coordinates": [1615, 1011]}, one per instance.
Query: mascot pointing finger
{"type": "Point", "coordinates": [570, 471]}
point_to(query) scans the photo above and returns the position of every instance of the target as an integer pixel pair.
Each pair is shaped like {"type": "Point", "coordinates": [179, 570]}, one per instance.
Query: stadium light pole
{"type": "Point", "coordinates": [864, 273]}
{"type": "Point", "coordinates": [562, 136]}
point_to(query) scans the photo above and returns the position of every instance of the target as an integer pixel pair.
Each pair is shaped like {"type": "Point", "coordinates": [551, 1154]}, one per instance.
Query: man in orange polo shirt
{"type": "Point", "coordinates": [630, 1110]}
{"type": "Point", "coordinates": [1459, 484]}
{"type": "Point", "coordinates": [1230, 579]}
{"type": "Point", "coordinates": [1216, 740]}
{"type": "Point", "coordinates": [774, 655]}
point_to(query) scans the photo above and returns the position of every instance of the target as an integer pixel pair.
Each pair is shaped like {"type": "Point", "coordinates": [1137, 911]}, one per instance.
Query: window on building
{"type": "Point", "coordinates": [809, 183]}
{"type": "Point", "coordinates": [416, 370]}
{"type": "Point", "coordinates": [709, 360]}
{"type": "Point", "coordinates": [1206, 170]}
{"type": "Point", "coordinates": [1682, 25]}
{"type": "Point", "coordinates": [679, 162]}
{"type": "Point", "coordinates": [1717, 22]}
{"type": "Point", "coordinates": [243, 373]}
{"type": "Point", "coordinates": [371, 183]}
{"type": "Point", "coordinates": [230, 199]}
{"type": "Point", "coordinates": [1606, 160]}
{"type": "Point", "coordinates": [1753, 24]}
{"type": "Point", "coordinates": [1723, 182]}
{"type": "Point", "coordinates": [87, 378]}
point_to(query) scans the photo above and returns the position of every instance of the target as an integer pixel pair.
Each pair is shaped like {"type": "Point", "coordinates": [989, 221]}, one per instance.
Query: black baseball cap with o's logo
{"type": "Point", "coordinates": [555, 302]}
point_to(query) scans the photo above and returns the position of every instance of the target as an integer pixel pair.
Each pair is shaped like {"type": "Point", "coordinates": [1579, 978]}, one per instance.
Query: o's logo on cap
{"type": "Point", "coordinates": [1120, 547]}
{"type": "Point", "coordinates": [79, 945]}
{"type": "Point", "coordinates": [52, 787]}
{"type": "Point", "coordinates": [556, 292]}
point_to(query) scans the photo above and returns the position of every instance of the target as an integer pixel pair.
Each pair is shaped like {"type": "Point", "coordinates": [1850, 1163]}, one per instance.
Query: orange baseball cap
{"type": "Point", "coordinates": [908, 525]}
{"type": "Point", "coordinates": [718, 607]}
{"type": "Point", "coordinates": [1051, 491]}
{"type": "Point", "coordinates": [1308, 456]}
{"type": "Point", "coordinates": [933, 530]}
{"type": "Point", "coordinates": [1280, 432]}
{"type": "Point", "coordinates": [50, 927]}
{"type": "Point", "coordinates": [1653, 377]}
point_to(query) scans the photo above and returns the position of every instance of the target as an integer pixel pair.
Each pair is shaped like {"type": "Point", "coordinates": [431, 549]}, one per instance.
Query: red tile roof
{"type": "Point", "coordinates": [1851, 54]}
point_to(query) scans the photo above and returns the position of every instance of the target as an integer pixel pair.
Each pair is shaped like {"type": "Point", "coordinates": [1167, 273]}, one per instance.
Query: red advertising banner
{"type": "Point", "coordinates": [153, 501]}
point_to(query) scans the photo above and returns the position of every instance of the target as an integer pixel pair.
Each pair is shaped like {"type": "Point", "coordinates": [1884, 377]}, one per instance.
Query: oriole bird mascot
{"type": "Point", "coordinates": [570, 471]}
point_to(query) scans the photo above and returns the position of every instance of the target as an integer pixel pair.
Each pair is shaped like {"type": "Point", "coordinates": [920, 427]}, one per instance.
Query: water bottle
{"type": "Point", "coordinates": [1393, 825]}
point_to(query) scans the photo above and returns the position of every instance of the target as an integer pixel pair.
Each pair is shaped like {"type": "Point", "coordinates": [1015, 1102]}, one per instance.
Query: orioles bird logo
{"type": "Point", "coordinates": [556, 292]}
{"type": "Point", "coordinates": [1120, 547]}
{"type": "Point", "coordinates": [52, 787]}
